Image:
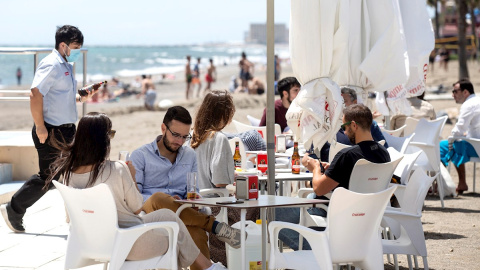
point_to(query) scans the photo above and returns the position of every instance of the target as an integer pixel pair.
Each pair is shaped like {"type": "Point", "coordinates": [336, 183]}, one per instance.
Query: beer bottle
{"type": "Point", "coordinates": [83, 91]}
{"type": "Point", "coordinates": [295, 159]}
{"type": "Point", "coordinates": [237, 158]}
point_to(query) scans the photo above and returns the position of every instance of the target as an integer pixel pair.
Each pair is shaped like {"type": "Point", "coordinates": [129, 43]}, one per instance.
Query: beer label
{"type": "Point", "coordinates": [237, 163]}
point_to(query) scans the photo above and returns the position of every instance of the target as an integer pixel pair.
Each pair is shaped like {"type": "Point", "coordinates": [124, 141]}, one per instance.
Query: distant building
{"type": "Point", "coordinates": [258, 33]}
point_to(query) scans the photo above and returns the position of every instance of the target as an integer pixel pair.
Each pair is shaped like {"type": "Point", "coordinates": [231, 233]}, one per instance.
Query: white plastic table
{"type": "Point", "coordinates": [263, 202]}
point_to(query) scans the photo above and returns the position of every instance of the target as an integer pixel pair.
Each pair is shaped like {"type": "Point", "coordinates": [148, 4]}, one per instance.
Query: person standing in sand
{"type": "Point", "coordinates": [246, 71]}
{"type": "Point", "coordinates": [188, 77]}
{"type": "Point", "coordinates": [53, 106]}
{"type": "Point", "coordinates": [196, 76]}
{"type": "Point", "coordinates": [211, 75]}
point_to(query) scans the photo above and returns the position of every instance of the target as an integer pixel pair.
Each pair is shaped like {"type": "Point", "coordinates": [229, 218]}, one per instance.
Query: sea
{"type": "Point", "coordinates": [105, 62]}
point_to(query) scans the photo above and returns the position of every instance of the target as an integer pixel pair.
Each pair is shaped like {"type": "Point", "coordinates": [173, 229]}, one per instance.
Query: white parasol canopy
{"type": "Point", "coordinates": [355, 43]}
{"type": "Point", "coordinates": [420, 42]}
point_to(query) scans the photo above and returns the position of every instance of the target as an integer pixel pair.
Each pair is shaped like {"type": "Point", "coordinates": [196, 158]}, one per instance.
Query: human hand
{"type": "Point", "coordinates": [42, 133]}
{"type": "Point", "coordinates": [376, 114]}
{"type": "Point", "coordinates": [176, 197]}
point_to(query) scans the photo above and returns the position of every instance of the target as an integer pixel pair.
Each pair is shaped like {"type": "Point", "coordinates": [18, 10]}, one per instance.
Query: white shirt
{"type": "Point", "coordinates": [54, 79]}
{"type": "Point", "coordinates": [469, 118]}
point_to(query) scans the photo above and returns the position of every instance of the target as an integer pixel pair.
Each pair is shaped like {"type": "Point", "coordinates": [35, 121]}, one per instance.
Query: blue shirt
{"type": "Point", "coordinates": [54, 79]}
{"type": "Point", "coordinates": [155, 173]}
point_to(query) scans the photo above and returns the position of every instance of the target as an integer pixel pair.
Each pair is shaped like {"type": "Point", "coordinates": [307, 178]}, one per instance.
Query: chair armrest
{"type": "Point", "coordinates": [318, 242]}
{"type": "Point", "coordinates": [125, 239]}
{"type": "Point", "coordinates": [399, 214]}
{"type": "Point", "coordinates": [303, 192]}
{"type": "Point", "coordinates": [399, 192]}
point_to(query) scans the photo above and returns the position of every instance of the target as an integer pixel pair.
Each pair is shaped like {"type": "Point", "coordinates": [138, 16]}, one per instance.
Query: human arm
{"type": "Point", "coordinates": [132, 196]}
{"type": "Point", "coordinates": [36, 109]}
{"type": "Point", "coordinates": [464, 120]}
{"type": "Point", "coordinates": [136, 165]}
{"type": "Point", "coordinates": [263, 121]}
{"type": "Point", "coordinates": [321, 183]}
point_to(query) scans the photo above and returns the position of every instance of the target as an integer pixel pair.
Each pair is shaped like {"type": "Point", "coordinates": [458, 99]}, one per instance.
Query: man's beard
{"type": "Point", "coordinates": [168, 146]}
{"type": "Point", "coordinates": [352, 138]}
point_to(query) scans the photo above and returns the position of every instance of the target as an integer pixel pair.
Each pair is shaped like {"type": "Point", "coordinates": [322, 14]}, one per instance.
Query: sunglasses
{"type": "Point", "coordinates": [454, 91]}
{"type": "Point", "coordinates": [178, 136]}
{"type": "Point", "coordinates": [111, 133]}
{"type": "Point", "coordinates": [344, 125]}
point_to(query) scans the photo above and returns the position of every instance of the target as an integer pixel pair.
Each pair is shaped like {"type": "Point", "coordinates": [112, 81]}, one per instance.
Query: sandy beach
{"type": "Point", "coordinates": [452, 233]}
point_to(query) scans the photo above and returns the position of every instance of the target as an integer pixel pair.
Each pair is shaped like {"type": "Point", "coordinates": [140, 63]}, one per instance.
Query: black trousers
{"type": "Point", "coordinates": [32, 190]}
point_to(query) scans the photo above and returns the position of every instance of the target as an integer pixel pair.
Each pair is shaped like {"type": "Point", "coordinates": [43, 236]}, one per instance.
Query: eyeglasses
{"type": "Point", "coordinates": [454, 91]}
{"type": "Point", "coordinates": [111, 133]}
{"type": "Point", "coordinates": [178, 136]}
{"type": "Point", "coordinates": [343, 126]}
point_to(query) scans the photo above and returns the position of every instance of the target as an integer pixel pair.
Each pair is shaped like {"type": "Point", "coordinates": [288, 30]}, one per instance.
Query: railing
{"type": "Point", "coordinates": [18, 95]}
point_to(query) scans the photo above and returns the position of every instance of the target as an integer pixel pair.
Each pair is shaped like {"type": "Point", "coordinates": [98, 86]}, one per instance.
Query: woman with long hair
{"type": "Point", "coordinates": [84, 163]}
{"type": "Point", "coordinates": [214, 156]}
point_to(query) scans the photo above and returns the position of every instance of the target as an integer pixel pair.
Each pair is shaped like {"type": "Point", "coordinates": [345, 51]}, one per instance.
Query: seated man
{"type": "Point", "coordinates": [468, 124]}
{"type": "Point", "coordinates": [288, 88]}
{"type": "Point", "coordinates": [160, 169]}
{"type": "Point", "coordinates": [357, 121]}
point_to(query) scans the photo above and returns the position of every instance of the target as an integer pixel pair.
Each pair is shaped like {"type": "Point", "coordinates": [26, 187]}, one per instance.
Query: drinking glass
{"type": "Point", "coordinates": [191, 185]}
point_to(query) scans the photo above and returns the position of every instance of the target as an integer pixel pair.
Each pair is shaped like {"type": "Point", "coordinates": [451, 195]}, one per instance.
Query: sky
{"type": "Point", "coordinates": [140, 22]}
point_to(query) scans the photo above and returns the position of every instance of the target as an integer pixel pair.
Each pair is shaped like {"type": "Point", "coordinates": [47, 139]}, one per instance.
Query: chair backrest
{"type": "Point", "coordinates": [404, 168]}
{"type": "Point", "coordinates": [396, 132]}
{"type": "Point", "coordinates": [428, 131]}
{"type": "Point", "coordinates": [415, 192]}
{"type": "Point", "coordinates": [253, 121]}
{"type": "Point", "coordinates": [241, 146]}
{"type": "Point", "coordinates": [410, 126]}
{"type": "Point", "coordinates": [353, 226]}
{"type": "Point", "coordinates": [368, 177]}
{"type": "Point", "coordinates": [241, 127]}
{"type": "Point", "coordinates": [93, 216]}
{"type": "Point", "coordinates": [399, 143]}
{"type": "Point", "coordinates": [335, 147]}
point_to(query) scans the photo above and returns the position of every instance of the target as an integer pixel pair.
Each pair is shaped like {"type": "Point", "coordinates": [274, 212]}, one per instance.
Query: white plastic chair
{"type": "Point", "coordinates": [241, 127]}
{"type": "Point", "coordinates": [476, 145]}
{"type": "Point", "coordinates": [335, 147]}
{"type": "Point", "coordinates": [427, 138]}
{"type": "Point", "coordinates": [352, 235]}
{"type": "Point", "coordinates": [253, 120]}
{"type": "Point", "coordinates": [405, 222]}
{"type": "Point", "coordinates": [405, 167]}
{"type": "Point", "coordinates": [368, 177]}
{"type": "Point", "coordinates": [410, 125]}
{"type": "Point", "coordinates": [95, 237]}
{"type": "Point", "coordinates": [396, 132]}
{"type": "Point", "coordinates": [399, 143]}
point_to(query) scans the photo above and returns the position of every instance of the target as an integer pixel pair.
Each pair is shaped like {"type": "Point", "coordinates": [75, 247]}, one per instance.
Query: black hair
{"type": "Point", "coordinates": [465, 84]}
{"type": "Point", "coordinates": [91, 146]}
{"type": "Point", "coordinates": [178, 113]}
{"type": "Point", "coordinates": [68, 34]}
{"type": "Point", "coordinates": [286, 84]}
{"type": "Point", "coordinates": [350, 92]}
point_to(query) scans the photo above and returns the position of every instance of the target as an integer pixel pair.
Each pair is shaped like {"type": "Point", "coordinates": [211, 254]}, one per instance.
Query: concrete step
{"type": "Point", "coordinates": [8, 189]}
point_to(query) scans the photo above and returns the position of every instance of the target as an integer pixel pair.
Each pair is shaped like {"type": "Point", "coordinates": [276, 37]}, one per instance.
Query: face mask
{"type": "Point", "coordinates": [74, 55]}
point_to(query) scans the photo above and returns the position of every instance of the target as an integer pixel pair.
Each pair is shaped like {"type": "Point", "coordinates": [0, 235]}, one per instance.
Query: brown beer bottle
{"type": "Point", "coordinates": [237, 158]}
{"type": "Point", "coordinates": [295, 159]}
{"type": "Point", "coordinates": [83, 91]}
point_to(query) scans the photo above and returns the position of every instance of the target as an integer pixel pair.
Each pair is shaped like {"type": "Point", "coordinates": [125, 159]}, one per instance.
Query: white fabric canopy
{"type": "Point", "coordinates": [356, 43]}
{"type": "Point", "coordinates": [420, 42]}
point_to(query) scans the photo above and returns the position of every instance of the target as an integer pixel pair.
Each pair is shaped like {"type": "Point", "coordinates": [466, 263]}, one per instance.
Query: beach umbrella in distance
{"type": "Point", "coordinates": [420, 40]}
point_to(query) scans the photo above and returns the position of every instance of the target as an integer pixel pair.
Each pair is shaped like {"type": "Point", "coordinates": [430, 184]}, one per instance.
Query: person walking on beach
{"type": "Point", "coordinates": [196, 76]}
{"type": "Point", "coordinates": [188, 77]}
{"type": "Point", "coordinates": [246, 71]}
{"type": "Point", "coordinates": [52, 104]}
{"type": "Point", "coordinates": [19, 76]}
{"type": "Point", "coordinates": [211, 76]}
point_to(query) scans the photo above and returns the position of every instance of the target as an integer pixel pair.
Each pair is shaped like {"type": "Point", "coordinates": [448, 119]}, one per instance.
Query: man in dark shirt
{"type": "Point", "coordinates": [288, 88]}
{"type": "Point", "coordinates": [357, 120]}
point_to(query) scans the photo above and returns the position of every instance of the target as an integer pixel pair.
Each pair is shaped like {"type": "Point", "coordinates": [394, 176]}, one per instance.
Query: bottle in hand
{"type": "Point", "coordinates": [237, 158]}
{"type": "Point", "coordinates": [84, 90]}
{"type": "Point", "coordinates": [295, 159]}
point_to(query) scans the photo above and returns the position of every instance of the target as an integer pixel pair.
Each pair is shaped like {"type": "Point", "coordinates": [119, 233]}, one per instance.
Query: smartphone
{"type": "Point", "coordinates": [312, 155]}
{"type": "Point", "coordinates": [230, 202]}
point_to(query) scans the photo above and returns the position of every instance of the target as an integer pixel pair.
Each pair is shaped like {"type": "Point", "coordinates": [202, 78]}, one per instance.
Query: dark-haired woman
{"type": "Point", "coordinates": [84, 164]}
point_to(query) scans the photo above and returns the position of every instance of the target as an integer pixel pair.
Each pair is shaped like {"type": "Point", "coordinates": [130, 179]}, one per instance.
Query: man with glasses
{"type": "Point", "coordinates": [160, 169]}
{"type": "Point", "coordinates": [468, 125]}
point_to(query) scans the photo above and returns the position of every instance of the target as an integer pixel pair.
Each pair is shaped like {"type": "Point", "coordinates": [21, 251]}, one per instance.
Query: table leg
{"type": "Point", "coordinates": [263, 216]}
{"type": "Point", "coordinates": [243, 218]}
{"type": "Point", "coordinates": [280, 182]}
